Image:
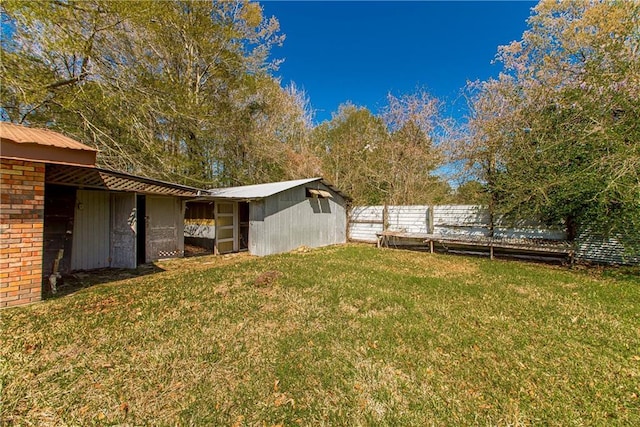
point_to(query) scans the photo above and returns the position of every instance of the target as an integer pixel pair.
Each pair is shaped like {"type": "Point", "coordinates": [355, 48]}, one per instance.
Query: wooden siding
{"type": "Point", "coordinates": [91, 230]}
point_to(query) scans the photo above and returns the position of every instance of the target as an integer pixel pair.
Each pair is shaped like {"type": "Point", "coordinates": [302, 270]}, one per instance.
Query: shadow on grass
{"type": "Point", "coordinates": [78, 280]}
{"type": "Point", "coordinates": [505, 255]}
{"type": "Point", "coordinates": [196, 251]}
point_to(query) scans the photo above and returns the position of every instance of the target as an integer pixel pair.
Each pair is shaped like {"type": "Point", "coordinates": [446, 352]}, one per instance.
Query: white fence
{"type": "Point", "coordinates": [450, 220]}
{"type": "Point", "coordinates": [603, 251]}
{"type": "Point", "coordinates": [365, 222]}
{"type": "Point", "coordinates": [471, 220]}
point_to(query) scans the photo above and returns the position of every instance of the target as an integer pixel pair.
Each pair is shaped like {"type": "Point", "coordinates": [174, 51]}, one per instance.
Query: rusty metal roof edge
{"type": "Point", "coordinates": [75, 148]}
{"type": "Point", "coordinates": [22, 134]}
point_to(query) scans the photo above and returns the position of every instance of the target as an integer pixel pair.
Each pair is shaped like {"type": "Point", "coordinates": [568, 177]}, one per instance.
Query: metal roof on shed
{"type": "Point", "coordinates": [261, 191]}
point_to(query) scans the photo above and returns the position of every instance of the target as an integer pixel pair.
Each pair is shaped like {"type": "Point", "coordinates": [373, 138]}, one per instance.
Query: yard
{"type": "Point", "coordinates": [348, 335]}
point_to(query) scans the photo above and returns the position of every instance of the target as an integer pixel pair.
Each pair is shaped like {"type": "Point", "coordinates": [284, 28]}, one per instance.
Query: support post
{"type": "Point", "coordinates": [430, 220]}
{"type": "Point", "coordinates": [385, 217]}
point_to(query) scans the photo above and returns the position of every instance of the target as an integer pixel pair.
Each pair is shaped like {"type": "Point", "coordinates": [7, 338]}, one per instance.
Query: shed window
{"type": "Point", "coordinates": [321, 194]}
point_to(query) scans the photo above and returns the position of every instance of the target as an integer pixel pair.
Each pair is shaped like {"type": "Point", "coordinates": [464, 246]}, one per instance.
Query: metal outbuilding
{"type": "Point", "coordinates": [115, 219]}
{"type": "Point", "coordinates": [270, 218]}
{"type": "Point", "coordinates": [60, 213]}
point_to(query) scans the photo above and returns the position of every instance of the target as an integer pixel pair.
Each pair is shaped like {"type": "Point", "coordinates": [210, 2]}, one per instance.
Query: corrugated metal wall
{"type": "Point", "coordinates": [365, 222]}
{"type": "Point", "coordinates": [599, 250]}
{"type": "Point", "coordinates": [91, 239]}
{"type": "Point", "coordinates": [289, 220]}
{"type": "Point", "coordinates": [470, 220]}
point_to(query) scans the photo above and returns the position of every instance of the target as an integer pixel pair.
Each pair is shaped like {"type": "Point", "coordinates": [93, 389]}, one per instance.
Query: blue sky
{"type": "Point", "coordinates": [360, 51]}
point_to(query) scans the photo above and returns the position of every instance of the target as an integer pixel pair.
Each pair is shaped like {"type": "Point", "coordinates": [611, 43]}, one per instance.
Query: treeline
{"type": "Point", "coordinates": [557, 134]}
{"type": "Point", "coordinates": [185, 91]}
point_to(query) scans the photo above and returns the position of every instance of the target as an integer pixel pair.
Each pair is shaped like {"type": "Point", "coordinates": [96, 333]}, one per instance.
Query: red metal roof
{"type": "Point", "coordinates": [43, 145]}
{"type": "Point", "coordinates": [27, 135]}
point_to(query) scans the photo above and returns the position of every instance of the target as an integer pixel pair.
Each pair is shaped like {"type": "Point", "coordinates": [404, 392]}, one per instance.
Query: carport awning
{"type": "Point", "coordinates": [103, 179]}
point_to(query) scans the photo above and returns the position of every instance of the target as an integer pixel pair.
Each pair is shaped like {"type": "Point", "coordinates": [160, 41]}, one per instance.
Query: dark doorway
{"type": "Point", "coordinates": [59, 211]}
{"type": "Point", "coordinates": [141, 209]}
{"type": "Point", "coordinates": [243, 221]}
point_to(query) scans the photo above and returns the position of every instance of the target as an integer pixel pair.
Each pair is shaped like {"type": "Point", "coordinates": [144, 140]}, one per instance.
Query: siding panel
{"type": "Point", "coordinates": [91, 231]}
{"type": "Point", "coordinates": [597, 249]}
{"type": "Point", "coordinates": [123, 230]}
{"type": "Point", "coordinates": [410, 219]}
{"type": "Point", "coordinates": [292, 220]}
{"type": "Point", "coordinates": [165, 228]}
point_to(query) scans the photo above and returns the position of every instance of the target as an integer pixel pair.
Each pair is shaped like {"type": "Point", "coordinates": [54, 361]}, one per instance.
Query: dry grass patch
{"type": "Point", "coordinates": [346, 335]}
{"type": "Point", "coordinates": [430, 265]}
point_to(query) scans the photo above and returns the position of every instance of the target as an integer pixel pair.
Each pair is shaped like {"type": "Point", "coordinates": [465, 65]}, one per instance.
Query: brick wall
{"type": "Point", "coordinates": [21, 231]}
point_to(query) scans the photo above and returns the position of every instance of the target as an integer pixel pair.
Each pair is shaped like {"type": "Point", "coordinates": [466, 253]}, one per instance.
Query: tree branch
{"type": "Point", "coordinates": [67, 82]}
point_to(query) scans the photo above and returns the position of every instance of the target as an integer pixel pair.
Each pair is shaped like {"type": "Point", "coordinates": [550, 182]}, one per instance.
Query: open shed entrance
{"type": "Point", "coordinates": [226, 214]}
{"type": "Point", "coordinates": [199, 228]}
{"type": "Point", "coordinates": [243, 219]}
{"type": "Point", "coordinates": [231, 226]}
{"type": "Point", "coordinates": [216, 226]}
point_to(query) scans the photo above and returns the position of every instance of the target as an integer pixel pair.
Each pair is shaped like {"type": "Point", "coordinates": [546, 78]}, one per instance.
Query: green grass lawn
{"type": "Point", "coordinates": [349, 335]}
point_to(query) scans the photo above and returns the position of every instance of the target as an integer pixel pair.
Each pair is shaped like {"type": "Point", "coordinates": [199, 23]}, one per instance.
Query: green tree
{"type": "Point", "coordinates": [179, 90]}
{"type": "Point", "coordinates": [481, 150]}
{"type": "Point", "coordinates": [390, 158]}
{"type": "Point", "coordinates": [346, 145]}
{"type": "Point", "coordinates": [471, 193]}
{"type": "Point", "coordinates": [564, 131]}
{"type": "Point", "coordinates": [409, 157]}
